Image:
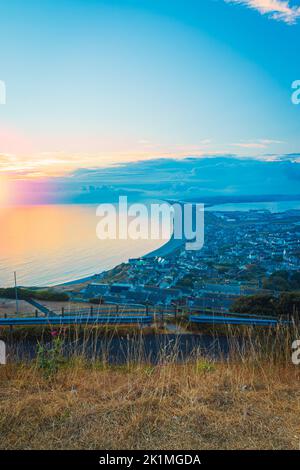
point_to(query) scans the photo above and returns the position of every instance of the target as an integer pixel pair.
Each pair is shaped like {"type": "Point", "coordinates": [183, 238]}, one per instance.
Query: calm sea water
{"type": "Point", "coordinates": [47, 245]}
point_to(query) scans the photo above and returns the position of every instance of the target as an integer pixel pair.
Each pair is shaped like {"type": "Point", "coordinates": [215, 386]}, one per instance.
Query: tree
{"type": "Point", "coordinates": [295, 280]}
{"type": "Point", "coordinates": [276, 283]}
{"type": "Point", "coordinates": [260, 304]}
{"type": "Point", "coordinates": [289, 303]}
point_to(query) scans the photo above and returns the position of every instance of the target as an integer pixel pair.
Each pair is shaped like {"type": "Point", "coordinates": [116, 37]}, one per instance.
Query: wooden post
{"type": "Point", "coordinates": [128, 351]}
{"type": "Point", "coordinates": [16, 292]}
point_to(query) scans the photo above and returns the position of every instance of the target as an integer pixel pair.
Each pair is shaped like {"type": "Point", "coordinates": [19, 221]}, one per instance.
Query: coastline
{"type": "Point", "coordinates": [172, 244]}
{"type": "Point", "coordinates": [78, 281]}
{"type": "Point", "coordinates": [167, 248]}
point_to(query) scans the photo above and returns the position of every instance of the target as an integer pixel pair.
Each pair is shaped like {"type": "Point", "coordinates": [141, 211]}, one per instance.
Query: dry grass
{"type": "Point", "coordinates": [237, 405]}
{"type": "Point", "coordinates": [249, 399]}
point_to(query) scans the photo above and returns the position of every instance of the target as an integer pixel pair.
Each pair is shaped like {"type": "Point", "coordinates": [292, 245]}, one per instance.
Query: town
{"type": "Point", "coordinates": [244, 253]}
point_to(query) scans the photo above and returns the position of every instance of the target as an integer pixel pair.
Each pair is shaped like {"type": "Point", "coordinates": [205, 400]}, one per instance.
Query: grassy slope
{"type": "Point", "coordinates": [224, 406]}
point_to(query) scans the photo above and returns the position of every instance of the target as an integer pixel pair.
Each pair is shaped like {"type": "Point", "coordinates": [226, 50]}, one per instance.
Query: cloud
{"type": "Point", "coordinates": [260, 144]}
{"type": "Point", "coordinates": [250, 145]}
{"type": "Point", "coordinates": [271, 141]}
{"type": "Point", "coordinates": [197, 178]}
{"type": "Point", "coordinates": [280, 10]}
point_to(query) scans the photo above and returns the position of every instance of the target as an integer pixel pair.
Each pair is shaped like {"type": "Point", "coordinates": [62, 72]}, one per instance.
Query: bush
{"type": "Point", "coordinates": [256, 304]}
{"type": "Point", "coordinates": [283, 281]}
{"type": "Point", "coordinates": [288, 303]}
{"type": "Point", "coordinates": [50, 358]}
{"type": "Point", "coordinates": [26, 294]}
{"type": "Point", "coordinates": [50, 295]}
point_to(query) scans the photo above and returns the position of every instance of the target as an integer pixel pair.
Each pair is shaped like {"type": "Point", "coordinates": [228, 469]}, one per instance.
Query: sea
{"type": "Point", "coordinates": [53, 244]}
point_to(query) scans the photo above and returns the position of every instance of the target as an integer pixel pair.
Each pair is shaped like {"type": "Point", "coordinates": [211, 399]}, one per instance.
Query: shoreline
{"type": "Point", "coordinates": [171, 245]}
{"type": "Point", "coordinates": [77, 281]}
{"type": "Point", "coordinates": [157, 252]}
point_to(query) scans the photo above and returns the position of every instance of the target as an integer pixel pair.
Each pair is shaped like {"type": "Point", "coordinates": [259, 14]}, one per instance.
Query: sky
{"type": "Point", "coordinates": [202, 179]}
{"type": "Point", "coordinates": [91, 83]}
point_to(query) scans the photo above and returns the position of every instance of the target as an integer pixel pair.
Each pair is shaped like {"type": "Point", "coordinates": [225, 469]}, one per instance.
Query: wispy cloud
{"type": "Point", "coordinates": [259, 144]}
{"type": "Point", "coordinates": [281, 10]}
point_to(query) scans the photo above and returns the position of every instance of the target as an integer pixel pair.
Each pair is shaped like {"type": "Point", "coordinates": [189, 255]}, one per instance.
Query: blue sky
{"type": "Point", "coordinates": [95, 82]}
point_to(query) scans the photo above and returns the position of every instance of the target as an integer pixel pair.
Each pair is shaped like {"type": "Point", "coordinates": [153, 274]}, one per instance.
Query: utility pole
{"type": "Point", "coordinates": [16, 289]}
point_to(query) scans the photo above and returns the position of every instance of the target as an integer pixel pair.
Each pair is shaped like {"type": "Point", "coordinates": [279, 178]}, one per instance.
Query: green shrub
{"type": "Point", "coordinates": [49, 359]}
{"type": "Point", "coordinates": [205, 366]}
{"type": "Point", "coordinates": [26, 294]}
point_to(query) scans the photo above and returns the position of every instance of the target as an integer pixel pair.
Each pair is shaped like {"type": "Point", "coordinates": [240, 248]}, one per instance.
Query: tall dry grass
{"type": "Point", "coordinates": [248, 398]}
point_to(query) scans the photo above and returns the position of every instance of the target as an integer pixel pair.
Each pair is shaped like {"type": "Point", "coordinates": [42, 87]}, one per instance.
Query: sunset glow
{"type": "Point", "coordinates": [121, 84]}
{"type": "Point", "coordinates": [149, 231]}
{"type": "Point", "coordinates": [4, 191]}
